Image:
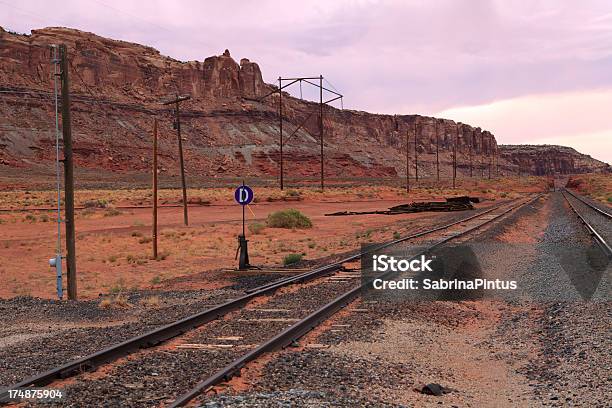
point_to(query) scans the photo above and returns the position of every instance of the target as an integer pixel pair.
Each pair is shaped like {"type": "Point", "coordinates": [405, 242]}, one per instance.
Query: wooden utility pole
{"type": "Point", "coordinates": [497, 160]}
{"type": "Point", "coordinates": [321, 126]}
{"type": "Point", "coordinates": [280, 115]}
{"type": "Point", "coordinates": [416, 159]}
{"type": "Point", "coordinates": [177, 101]}
{"type": "Point", "coordinates": [455, 155]}
{"type": "Point", "coordinates": [407, 161]}
{"type": "Point", "coordinates": [68, 176]}
{"type": "Point", "coordinates": [489, 140]}
{"type": "Point", "coordinates": [437, 150]}
{"type": "Point", "coordinates": [482, 153]}
{"type": "Point", "coordinates": [471, 147]}
{"type": "Point", "coordinates": [155, 188]}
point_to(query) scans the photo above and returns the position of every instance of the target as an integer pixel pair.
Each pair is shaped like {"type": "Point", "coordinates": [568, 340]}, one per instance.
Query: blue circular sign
{"type": "Point", "coordinates": [243, 195]}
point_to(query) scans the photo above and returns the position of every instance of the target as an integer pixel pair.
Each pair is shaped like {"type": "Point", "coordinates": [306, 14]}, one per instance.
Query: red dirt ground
{"type": "Point", "coordinates": [114, 252]}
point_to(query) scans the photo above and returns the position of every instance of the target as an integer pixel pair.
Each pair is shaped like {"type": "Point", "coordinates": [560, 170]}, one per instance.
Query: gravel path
{"type": "Point", "coordinates": [599, 222]}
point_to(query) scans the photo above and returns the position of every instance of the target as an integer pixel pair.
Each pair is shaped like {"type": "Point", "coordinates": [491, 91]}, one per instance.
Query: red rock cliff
{"type": "Point", "coordinates": [117, 87]}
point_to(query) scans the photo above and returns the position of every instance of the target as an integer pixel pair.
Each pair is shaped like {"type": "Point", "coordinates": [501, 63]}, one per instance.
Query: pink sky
{"type": "Point", "coordinates": [530, 71]}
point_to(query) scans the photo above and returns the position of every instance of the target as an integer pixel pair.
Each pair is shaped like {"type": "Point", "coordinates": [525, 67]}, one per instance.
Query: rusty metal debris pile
{"type": "Point", "coordinates": [461, 203]}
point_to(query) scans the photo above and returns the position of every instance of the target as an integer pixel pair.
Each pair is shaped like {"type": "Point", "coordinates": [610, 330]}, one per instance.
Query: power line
{"type": "Point", "coordinates": [148, 22]}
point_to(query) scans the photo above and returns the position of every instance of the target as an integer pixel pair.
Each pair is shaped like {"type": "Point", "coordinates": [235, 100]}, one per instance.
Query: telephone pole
{"type": "Point", "coordinates": [455, 155]}
{"type": "Point", "coordinates": [416, 159]}
{"type": "Point", "coordinates": [280, 115]}
{"type": "Point", "coordinates": [176, 102]}
{"type": "Point", "coordinates": [437, 150]}
{"type": "Point", "coordinates": [471, 147]}
{"type": "Point", "coordinates": [482, 153]}
{"type": "Point", "coordinates": [489, 137]}
{"type": "Point", "coordinates": [68, 176]}
{"type": "Point", "coordinates": [497, 161]}
{"type": "Point", "coordinates": [155, 188]}
{"type": "Point", "coordinates": [407, 161]}
{"type": "Point", "coordinates": [321, 126]}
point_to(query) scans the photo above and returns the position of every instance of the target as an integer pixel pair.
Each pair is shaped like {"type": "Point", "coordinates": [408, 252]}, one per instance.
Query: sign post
{"type": "Point", "coordinates": [243, 196]}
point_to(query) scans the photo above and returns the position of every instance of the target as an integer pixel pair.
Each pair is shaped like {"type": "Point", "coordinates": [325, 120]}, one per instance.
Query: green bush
{"type": "Point", "coordinates": [292, 258]}
{"type": "Point", "coordinates": [290, 218]}
{"type": "Point", "coordinates": [396, 235]}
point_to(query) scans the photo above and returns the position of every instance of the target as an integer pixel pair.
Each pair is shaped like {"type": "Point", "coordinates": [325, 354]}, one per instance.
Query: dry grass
{"type": "Point", "coordinates": [118, 301]}
{"type": "Point", "coordinates": [256, 228]}
{"type": "Point", "coordinates": [597, 186]}
{"type": "Point", "coordinates": [102, 199]}
{"type": "Point", "coordinates": [150, 302]}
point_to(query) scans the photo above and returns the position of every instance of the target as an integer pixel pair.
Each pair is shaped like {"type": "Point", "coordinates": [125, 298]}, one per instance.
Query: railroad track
{"type": "Point", "coordinates": [597, 223]}
{"type": "Point", "coordinates": [291, 328]}
{"type": "Point", "coordinates": [293, 333]}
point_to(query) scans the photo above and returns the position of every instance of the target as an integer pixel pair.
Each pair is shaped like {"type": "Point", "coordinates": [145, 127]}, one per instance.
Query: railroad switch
{"type": "Point", "coordinates": [243, 260]}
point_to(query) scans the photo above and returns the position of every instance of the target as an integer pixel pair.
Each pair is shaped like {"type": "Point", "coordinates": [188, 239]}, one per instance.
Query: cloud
{"type": "Point", "coordinates": [579, 119]}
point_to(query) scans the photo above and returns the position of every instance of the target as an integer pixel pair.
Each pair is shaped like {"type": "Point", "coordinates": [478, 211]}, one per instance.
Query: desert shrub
{"type": "Point", "coordinates": [95, 204]}
{"type": "Point", "coordinates": [111, 212]}
{"type": "Point", "coordinates": [292, 258]}
{"type": "Point", "coordinates": [145, 240]}
{"type": "Point", "coordinates": [256, 228]}
{"type": "Point", "coordinates": [163, 255]}
{"type": "Point", "coordinates": [170, 233]}
{"type": "Point", "coordinates": [136, 259]}
{"type": "Point", "coordinates": [290, 218]}
{"type": "Point", "coordinates": [293, 193]}
{"type": "Point", "coordinates": [30, 218]}
{"type": "Point", "coordinates": [152, 301]}
{"type": "Point", "coordinates": [44, 218]}
{"type": "Point", "coordinates": [396, 235]}
{"type": "Point", "coordinates": [137, 234]}
{"type": "Point", "coordinates": [118, 301]}
{"type": "Point", "coordinates": [87, 212]}
{"type": "Point", "coordinates": [155, 280]}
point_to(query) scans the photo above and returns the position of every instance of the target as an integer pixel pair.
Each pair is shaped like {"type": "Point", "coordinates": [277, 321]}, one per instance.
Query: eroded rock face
{"type": "Point", "coordinates": [221, 77]}
{"type": "Point", "coordinates": [117, 87]}
{"type": "Point", "coordinates": [550, 159]}
{"type": "Point", "coordinates": [251, 81]}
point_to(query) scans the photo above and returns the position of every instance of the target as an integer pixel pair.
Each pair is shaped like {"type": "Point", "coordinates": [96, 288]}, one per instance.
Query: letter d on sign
{"type": "Point", "coordinates": [243, 195]}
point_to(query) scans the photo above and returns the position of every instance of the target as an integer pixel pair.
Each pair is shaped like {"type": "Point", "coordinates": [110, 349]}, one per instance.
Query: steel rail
{"type": "Point", "coordinates": [166, 332]}
{"type": "Point", "coordinates": [294, 332]}
{"type": "Point", "coordinates": [599, 210]}
{"type": "Point", "coordinates": [596, 236]}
